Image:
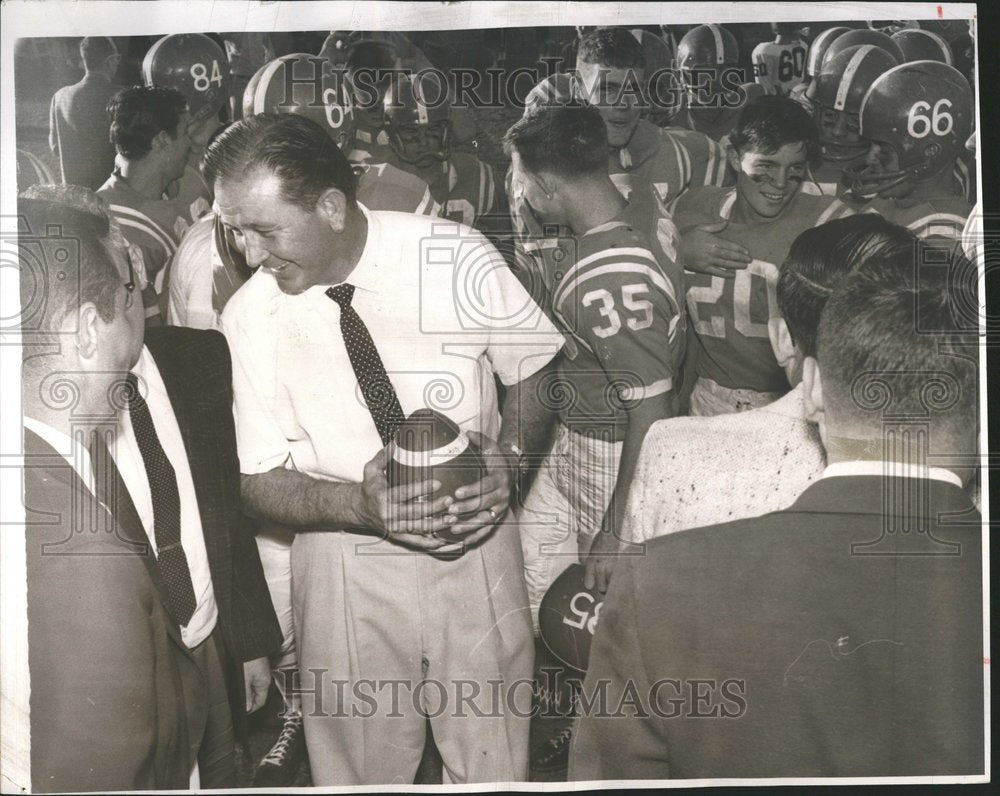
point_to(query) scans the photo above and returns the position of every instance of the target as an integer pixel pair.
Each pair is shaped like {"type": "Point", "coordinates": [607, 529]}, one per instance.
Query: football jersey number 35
{"type": "Point", "coordinates": [708, 317]}
{"type": "Point", "coordinates": [630, 300]}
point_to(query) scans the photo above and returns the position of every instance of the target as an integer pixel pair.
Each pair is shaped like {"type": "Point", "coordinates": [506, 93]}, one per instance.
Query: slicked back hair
{"type": "Point", "coordinates": [892, 343]}
{"type": "Point", "coordinates": [822, 258]}
{"type": "Point", "coordinates": [295, 149]}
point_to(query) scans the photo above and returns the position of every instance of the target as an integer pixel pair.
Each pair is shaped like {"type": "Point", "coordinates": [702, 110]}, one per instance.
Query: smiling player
{"type": "Point", "coordinates": [771, 147]}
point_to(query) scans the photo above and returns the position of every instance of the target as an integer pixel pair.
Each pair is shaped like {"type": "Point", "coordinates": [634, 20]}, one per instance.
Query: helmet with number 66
{"type": "Point", "coordinates": [304, 85]}
{"type": "Point", "coordinates": [917, 117]}
{"type": "Point", "coordinates": [193, 64]}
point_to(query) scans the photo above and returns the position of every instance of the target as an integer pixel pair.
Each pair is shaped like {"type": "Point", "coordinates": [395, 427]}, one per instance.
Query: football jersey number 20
{"type": "Point", "coordinates": [708, 314]}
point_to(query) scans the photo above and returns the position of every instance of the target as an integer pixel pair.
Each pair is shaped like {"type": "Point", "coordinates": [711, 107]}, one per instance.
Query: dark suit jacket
{"type": "Point", "coordinates": [105, 657]}
{"type": "Point", "coordinates": [197, 373]}
{"type": "Point", "coordinates": [108, 709]}
{"type": "Point", "coordinates": [79, 131]}
{"type": "Point", "coordinates": [800, 643]}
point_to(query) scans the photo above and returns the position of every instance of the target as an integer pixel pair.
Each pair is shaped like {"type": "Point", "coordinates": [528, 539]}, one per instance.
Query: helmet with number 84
{"type": "Point", "coordinates": [304, 85]}
{"type": "Point", "coordinates": [197, 67]}
{"type": "Point", "coordinates": [194, 65]}
{"type": "Point", "coordinates": [417, 110]}
{"type": "Point", "coordinates": [917, 117]}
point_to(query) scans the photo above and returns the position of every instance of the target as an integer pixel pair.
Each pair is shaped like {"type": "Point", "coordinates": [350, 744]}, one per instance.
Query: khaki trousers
{"type": "Point", "coordinates": [387, 636]}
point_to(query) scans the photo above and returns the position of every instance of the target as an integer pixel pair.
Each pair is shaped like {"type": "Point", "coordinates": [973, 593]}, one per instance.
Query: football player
{"type": "Point", "coordinates": [771, 147]}
{"type": "Point", "coordinates": [196, 66]}
{"type": "Point", "coordinates": [662, 82]}
{"type": "Point", "coordinates": [149, 128]}
{"type": "Point", "coordinates": [610, 74]}
{"type": "Point", "coordinates": [835, 97]}
{"type": "Point", "coordinates": [417, 112]}
{"type": "Point", "coordinates": [814, 62]}
{"type": "Point", "coordinates": [923, 45]}
{"type": "Point", "coordinates": [371, 58]}
{"type": "Point", "coordinates": [708, 62]}
{"type": "Point", "coordinates": [854, 38]}
{"type": "Point", "coordinates": [618, 302]}
{"type": "Point", "coordinates": [918, 117]}
{"type": "Point", "coordinates": [779, 66]}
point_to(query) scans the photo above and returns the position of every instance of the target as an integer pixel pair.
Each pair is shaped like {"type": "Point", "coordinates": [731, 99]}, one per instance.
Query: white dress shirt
{"type": "Point", "coordinates": [445, 313]}
{"type": "Point", "coordinates": [129, 460]}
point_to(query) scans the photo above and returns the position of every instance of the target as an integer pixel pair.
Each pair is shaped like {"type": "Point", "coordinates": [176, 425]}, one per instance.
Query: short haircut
{"type": "Point", "coordinates": [892, 343]}
{"type": "Point", "coordinates": [565, 140]}
{"type": "Point", "coordinates": [823, 257]}
{"type": "Point", "coordinates": [768, 123]}
{"type": "Point", "coordinates": [64, 258]}
{"type": "Point", "coordinates": [612, 48]}
{"type": "Point", "coordinates": [140, 113]}
{"type": "Point", "coordinates": [295, 149]}
{"type": "Point", "coordinates": [95, 50]}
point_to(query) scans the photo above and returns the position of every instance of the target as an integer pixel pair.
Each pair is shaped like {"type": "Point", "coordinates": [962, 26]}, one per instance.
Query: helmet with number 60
{"type": "Point", "coordinates": [193, 64]}
{"type": "Point", "coordinates": [302, 84]}
{"type": "Point", "coordinates": [417, 110]}
{"type": "Point", "coordinates": [918, 117]}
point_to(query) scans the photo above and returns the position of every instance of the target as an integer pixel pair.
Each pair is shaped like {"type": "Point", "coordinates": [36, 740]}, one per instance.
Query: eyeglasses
{"type": "Point", "coordinates": [130, 285]}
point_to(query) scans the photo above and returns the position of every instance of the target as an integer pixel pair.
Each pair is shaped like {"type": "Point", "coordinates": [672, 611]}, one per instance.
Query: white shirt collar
{"type": "Point", "coordinates": [891, 470]}
{"type": "Point", "coordinates": [72, 451]}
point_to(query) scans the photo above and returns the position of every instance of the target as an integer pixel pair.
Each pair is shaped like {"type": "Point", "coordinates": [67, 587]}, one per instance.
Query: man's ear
{"type": "Point", "coordinates": [733, 158]}
{"type": "Point", "coordinates": [87, 332]}
{"type": "Point", "coordinates": [160, 140]}
{"type": "Point", "coordinates": [781, 341]}
{"type": "Point", "coordinates": [812, 387]}
{"type": "Point", "coordinates": [332, 206]}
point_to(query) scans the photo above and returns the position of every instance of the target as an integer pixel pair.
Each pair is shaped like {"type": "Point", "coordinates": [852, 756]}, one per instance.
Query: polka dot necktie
{"type": "Point", "coordinates": [170, 559]}
{"type": "Point", "coordinates": [378, 392]}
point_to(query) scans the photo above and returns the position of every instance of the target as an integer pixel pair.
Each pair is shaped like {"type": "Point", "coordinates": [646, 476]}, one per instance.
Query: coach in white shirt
{"type": "Point", "coordinates": [427, 308]}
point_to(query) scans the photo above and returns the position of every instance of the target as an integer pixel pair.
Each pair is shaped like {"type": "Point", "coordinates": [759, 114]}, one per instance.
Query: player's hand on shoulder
{"type": "Point", "coordinates": [409, 513]}
{"type": "Point", "coordinates": [704, 249]}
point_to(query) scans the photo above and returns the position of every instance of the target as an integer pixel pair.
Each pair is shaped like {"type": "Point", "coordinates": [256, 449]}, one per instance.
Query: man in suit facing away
{"type": "Point", "coordinates": [165, 468]}
{"type": "Point", "coordinates": [843, 635]}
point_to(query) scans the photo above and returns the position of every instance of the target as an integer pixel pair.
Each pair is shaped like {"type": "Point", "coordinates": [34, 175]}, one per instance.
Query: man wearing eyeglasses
{"type": "Point", "coordinates": [140, 635]}
{"type": "Point", "coordinates": [78, 122]}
